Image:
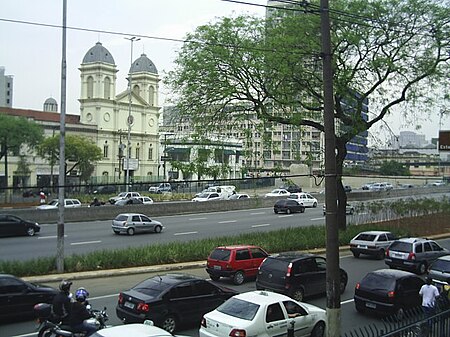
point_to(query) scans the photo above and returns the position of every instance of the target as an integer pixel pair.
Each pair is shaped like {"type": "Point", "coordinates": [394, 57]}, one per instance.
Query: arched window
{"type": "Point", "coordinates": [151, 95]}
{"type": "Point", "coordinates": [150, 152]}
{"type": "Point", "coordinates": [107, 89]}
{"type": "Point", "coordinates": [90, 87]}
{"type": "Point", "coordinates": [136, 89]}
{"type": "Point", "coordinates": [105, 175]}
{"type": "Point", "coordinates": [105, 150]}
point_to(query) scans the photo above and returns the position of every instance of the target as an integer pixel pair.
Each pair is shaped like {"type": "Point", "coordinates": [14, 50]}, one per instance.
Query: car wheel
{"type": "Point", "coordinates": [158, 229]}
{"type": "Point", "coordinates": [422, 268]}
{"type": "Point", "coordinates": [298, 294]}
{"type": "Point", "coordinates": [343, 283]}
{"type": "Point", "coordinates": [130, 231]}
{"type": "Point", "coordinates": [275, 211]}
{"type": "Point", "coordinates": [356, 254]}
{"type": "Point", "coordinates": [380, 255]}
{"type": "Point", "coordinates": [315, 204]}
{"type": "Point", "coordinates": [303, 210]}
{"type": "Point", "coordinates": [169, 323]}
{"type": "Point", "coordinates": [318, 330]}
{"type": "Point", "coordinates": [116, 232]}
{"type": "Point", "coordinates": [238, 278]}
{"type": "Point", "coordinates": [214, 277]}
{"type": "Point", "coordinates": [30, 231]}
{"type": "Point", "coordinates": [288, 211]}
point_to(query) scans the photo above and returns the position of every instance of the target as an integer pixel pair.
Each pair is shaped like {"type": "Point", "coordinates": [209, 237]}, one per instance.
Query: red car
{"type": "Point", "coordinates": [237, 262]}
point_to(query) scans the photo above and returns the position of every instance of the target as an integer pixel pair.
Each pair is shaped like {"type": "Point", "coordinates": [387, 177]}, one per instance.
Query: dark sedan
{"type": "Point", "coordinates": [171, 300]}
{"type": "Point", "coordinates": [288, 206]}
{"type": "Point", "coordinates": [11, 225]}
{"type": "Point", "coordinates": [17, 297]}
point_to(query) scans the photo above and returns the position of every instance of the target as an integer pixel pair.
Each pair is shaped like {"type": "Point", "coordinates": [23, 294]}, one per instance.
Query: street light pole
{"type": "Point", "coordinates": [130, 118]}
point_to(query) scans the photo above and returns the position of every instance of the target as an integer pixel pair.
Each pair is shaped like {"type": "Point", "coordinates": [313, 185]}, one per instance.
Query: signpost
{"type": "Point", "coordinates": [444, 141]}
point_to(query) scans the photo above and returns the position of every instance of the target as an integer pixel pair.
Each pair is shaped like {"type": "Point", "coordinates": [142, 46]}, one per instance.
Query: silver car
{"type": "Point", "coordinates": [439, 270]}
{"type": "Point", "coordinates": [131, 223]}
{"type": "Point", "coordinates": [373, 243]}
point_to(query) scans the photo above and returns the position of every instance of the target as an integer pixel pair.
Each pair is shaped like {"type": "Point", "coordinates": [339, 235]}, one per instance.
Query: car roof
{"type": "Point", "coordinates": [175, 278]}
{"type": "Point", "coordinates": [130, 214]}
{"type": "Point", "coordinates": [393, 273]}
{"type": "Point", "coordinates": [412, 240]}
{"type": "Point", "coordinates": [289, 256]}
{"type": "Point", "coordinates": [236, 247]}
{"type": "Point", "coordinates": [135, 330]}
{"type": "Point", "coordinates": [374, 232]}
{"type": "Point", "coordinates": [262, 297]}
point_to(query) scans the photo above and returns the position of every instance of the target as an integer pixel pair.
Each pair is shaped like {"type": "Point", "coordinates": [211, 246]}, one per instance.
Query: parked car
{"type": "Point", "coordinates": [388, 292]}
{"type": "Point", "coordinates": [171, 300]}
{"type": "Point", "coordinates": [373, 243]}
{"type": "Point", "coordinates": [146, 329]}
{"type": "Point", "coordinates": [68, 203]}
{"type": "Point", "coordinates": [11, 225]}
{"type": "Point", "coordinates": [236, 262]}
{"type": "Point", "coordinates": [263, 314]}
{"type": "Point", "coordinates": [18, 297]}
{"type": "Point", "coordinates": [304, 199]}
{"type": "Point", "coordinates": [278, 192]}
{"type": "Point", "coordinates": [161, 188]}
{"type": "Point", "coordinates": [349, 209]}
{"type": "Point", "coordinates": [295, 274]}
{"type": "Point", "coordinates": [207, 196]}
{"type": "Point", "coordinates": [292, 188]}
{"type": "Point", "coordinates": [129, 201]}
{"type": "Point", "coordinates": [131, 223]}
{"type": "Point", "coordinates": [238, 196]}
{"type": "Point", "coordinates": [437, 183]}
{"type": "Point", "coordinates": [107, 189]}
{"type": "Point", "coordinates": [123, 195]}
{"type": "Point", "coordinates": [439, 270]}
{"type": "Point", "coordinates": [413, 254]}
{"type": "Point", "coordinates": [288, 206]}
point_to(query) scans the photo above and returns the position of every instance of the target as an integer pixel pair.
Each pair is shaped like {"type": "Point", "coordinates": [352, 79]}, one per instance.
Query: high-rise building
{"type": "Point", "coordinates": [6, 89]}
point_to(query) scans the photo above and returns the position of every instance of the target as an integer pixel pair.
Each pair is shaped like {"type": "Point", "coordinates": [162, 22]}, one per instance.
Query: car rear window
{"type": "Point", "coordinates": [121, 218]}
{"type": "Point", "coordinates": [152, 287]}
{"type": "Point", "coordinates": [441, 265]}
{"type": "Point", "coordinates": [275, 264]}
{"type": "Point", "coordinates": [239, 308]}
{"type": "Point", "coordinates": [378, 282]}
{"type": "Point", "coordinates": [400, 246]}
{"type": "Point", "coordinates": [220, 254]}
{"type": "Point", "coordinates": [365, 237]}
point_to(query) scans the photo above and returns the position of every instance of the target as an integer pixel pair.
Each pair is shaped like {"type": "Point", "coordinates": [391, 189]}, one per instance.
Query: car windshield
{"type": "Point", "coordinates": [441, 265]}
{"type": "Point", "coordinates": [378, 282]}
{"type": "Point", "coordinates": [122, 194]}
{"type": "Point", "coordinates": [54, 202]}
{"type": "Point", "coordinates": [400, 246]}
{"type": "Point", "coordinates": [365, 236]}
{"type": "Point", "coordinates": [204, 195]}
{"type": "Point", "coordinates": [220, 254]}
{"type": "Point", "coordinates": [152, 287]}
{"type": "Point", "coordinates": [239, 308]}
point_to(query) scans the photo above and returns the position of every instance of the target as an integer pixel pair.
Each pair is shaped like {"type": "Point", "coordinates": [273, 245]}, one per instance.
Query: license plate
{"type": "Point", "coordinates": [370, 305]}
{"type": "Point", "coordinates": [361, 246]}
{"type": "Point", "coordinates": [218, 267]}
{"type": "Point", "coordinates": [129, 305]}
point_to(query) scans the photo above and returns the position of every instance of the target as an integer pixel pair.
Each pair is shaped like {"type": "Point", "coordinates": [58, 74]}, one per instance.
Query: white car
{"type": "Point", "coordinates": [145, 200]}
{"type": "Point", "coordinates": [304, 199]}
{"type": "Point", "coordinates": [238, 196]}
{"type": "Point", "coordinates": [278, 192]}
{"type": "Point", "coordinates": [378, 187]}
{"type": "Point", "coordinates": [134, 330]}
{"type": "Point", "coordinates": [263, 314]}
{"type": "Point", "coordinates": [68, 203]}
{"type": "Point", "coordinates": [207, 196]}
{"type": "Point", "coordinates": [124, 195]}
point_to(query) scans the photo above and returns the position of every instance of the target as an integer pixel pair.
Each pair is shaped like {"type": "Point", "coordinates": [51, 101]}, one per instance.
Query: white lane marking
{"type": "Point", "coordinates": [285, 216]}
{"type": "Point", "coordinates": [84, 243]}
{"type": "Point", "coordinates": [316, 219]}
{"type": "Point", "coordinates": [257, 213]}
{"type": "Point", "coordinates": [227, 221]}
{"type": "Point", "coordinates": [186, 233]}
{"type": "Point", "coordinates": [262, 225]}
{"type": "Point", "coordinates": [348, 301]}
{"type": "Point", "coordinates": [101, 297]}
{"type": "Point", "coordinates": [50, 237]}
{"type": "Point", "coordinates": [193, 219]}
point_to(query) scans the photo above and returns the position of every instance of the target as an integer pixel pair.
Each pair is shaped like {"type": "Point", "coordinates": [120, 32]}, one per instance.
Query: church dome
{"type": "Point", "coordinates": [98, 53]}
{"type": "Point", "coordinates": [50, 105]}
{"type": "Point", "coordinates": [143, 64]}
{"type": "Point", "coordinates": [50, 100]}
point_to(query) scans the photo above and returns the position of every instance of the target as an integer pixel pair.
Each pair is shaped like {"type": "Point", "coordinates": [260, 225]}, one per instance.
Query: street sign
{"type": "Point", "coordinates": [166, 158]}
{"type": "Point", "coordinates": [444, 141]}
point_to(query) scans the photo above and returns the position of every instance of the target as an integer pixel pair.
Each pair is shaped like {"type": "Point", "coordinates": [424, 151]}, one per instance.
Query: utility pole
{"type": "Point", "coordinates": [62, 154]}
{"type": "Point", "coordinates": [332, 240]}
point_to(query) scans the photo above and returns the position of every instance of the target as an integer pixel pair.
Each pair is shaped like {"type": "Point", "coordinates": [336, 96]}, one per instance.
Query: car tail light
{"type": "Point", "coordinates": [387, 252]}
{"type": "Point", "coordinates": [120, 298]}
{"type": "Point", "coordinates": [358, 285]}
{"type": "Point", "coordinates": [237, 333]}
{"type": "Point", "coordinates": [144, 307]}
{"type": "Point", "coordinates": [288, 274]}
{"type": "Point", "coordinates": [411, 256]}
{"type": "Point", "coordinates": [203, 322]}
{"type": "Point", "coordinates": [391, 294]}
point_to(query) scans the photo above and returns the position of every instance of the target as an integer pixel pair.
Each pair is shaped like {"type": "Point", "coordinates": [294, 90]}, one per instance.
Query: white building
{"type": "Point", "coordinates": [6, 89]}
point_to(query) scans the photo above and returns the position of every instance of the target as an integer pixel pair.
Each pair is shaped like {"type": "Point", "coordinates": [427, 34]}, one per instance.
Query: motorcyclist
{"type": "Point", "coordinates": [80, 313]}
{"type": "Point", "coordinates": [61, 304]}
{"type": "Point", "coordinates": [95, 202]}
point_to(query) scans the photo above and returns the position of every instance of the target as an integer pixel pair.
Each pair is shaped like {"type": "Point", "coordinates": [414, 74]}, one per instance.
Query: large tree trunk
{"type": "Point", "coordinates": [341, 153]}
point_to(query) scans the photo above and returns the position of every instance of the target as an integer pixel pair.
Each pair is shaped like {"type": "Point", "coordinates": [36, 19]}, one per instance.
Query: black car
{"type": "Point", "coordinates": [11, 225]}
{"type": "Point", "coordinates": [292, 188]}
{"type": "Point", "coordinates": [171, 300]}
{"type": "Point", "coordinates": [295, 274]}
{"type": "Point", "coordinates": [288, 206]}
{"type": "Point", "coordinates": [107, 189]}
{"type": "Point", "coordinates": [388, 292]}
{"type": "Point", "coordinates": [17, 297]}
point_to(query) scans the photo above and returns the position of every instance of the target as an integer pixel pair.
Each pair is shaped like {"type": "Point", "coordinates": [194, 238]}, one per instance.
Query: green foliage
{"type": "Point", "coordinates": [393, 168]}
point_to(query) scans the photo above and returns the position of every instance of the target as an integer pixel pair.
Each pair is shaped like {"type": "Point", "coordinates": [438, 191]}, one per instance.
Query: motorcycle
{"type": "Point", "coordinates": [48, 328]}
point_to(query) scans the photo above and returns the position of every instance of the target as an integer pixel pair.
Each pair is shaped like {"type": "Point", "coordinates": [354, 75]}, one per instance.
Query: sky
{"type": "Point", "coordinates": [32, 52]}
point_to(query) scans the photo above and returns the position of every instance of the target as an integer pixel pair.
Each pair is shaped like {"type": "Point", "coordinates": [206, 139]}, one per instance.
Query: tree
{"type": "Point", "coordinates": [389, 53]}
{"type": "Point", "coordinates": [16, 132]}
{"type": "Point", "coordinates": [393, 168]}
{"type": "Point", "coordinates": [79, 151]}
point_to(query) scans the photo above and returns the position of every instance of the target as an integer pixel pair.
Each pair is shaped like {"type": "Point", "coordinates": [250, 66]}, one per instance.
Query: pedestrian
{"type": "Point", "coordinates": [429, 293]}
{"type": "Point", "coordinates": [41, 197]}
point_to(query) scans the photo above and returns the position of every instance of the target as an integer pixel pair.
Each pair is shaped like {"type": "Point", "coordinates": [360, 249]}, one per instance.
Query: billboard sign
{"type": "Point", "coordinates": [444, 141]}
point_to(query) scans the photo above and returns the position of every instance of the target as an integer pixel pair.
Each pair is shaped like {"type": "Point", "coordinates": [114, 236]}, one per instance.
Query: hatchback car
{"type": "Point", "coordinates": [171, 300]}
{"type": "Point", "coordinates": [288, 206]}
{"type": "Point", "coordinates": [238, 196]}
{"type": "Point", "coordinates": [17, 297]}
{"type": "Point", "coordinates": [413, 254]}
{"type": "Point", "coordinates": [131, 223]}
{"type": "Point", "coordinates": [263, 314]}
{"type": "Point", "coordinates": [68, 203]}
{"type": "Point", "coordinates": [388, 292]}
{"type": "Point", "coordinates": [295, 274]}
{"type": "Point", "coordinates": [13, 225]}
{"type": "Point", "coordinates": [134, 330]}
{"type": "Point", "coordinates": [237, 262]}
{"type": "Point", "coordinates": [373, 243]}
{"type": "Point", "coordinates": [207, 196]}
{"type": "Point", "coordinates": [292, 188]}
{"type": "Point", "coordinates": [378, 187]}
{"type": "Point", "coordinates": [130, 201]}
{"type": "Point", "coordinates": [304, 199]}
{"type": "Point", "coordinates": [439, 270]}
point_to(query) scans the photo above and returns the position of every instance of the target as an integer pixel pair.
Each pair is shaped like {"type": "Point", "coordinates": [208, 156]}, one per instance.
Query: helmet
{"type": "Point", "coordinates": [81, 294]}
{"type": "Point", "coordinates": [64, 285]}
